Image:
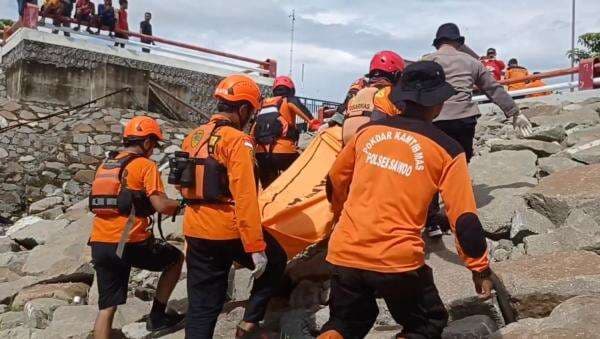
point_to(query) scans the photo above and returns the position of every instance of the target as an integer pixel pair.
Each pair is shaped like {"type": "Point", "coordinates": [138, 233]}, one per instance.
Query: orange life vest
{"type": "Point", "coordinates": [272, 122]}
{"type": "Point", "coordinates": [110, 196]}
{"type": "Point", "coordinates": [516, 73]}
{"type": "Point", "coordinates": [358, 112]}
{"type": "Point", "coordinates": [210, 181]}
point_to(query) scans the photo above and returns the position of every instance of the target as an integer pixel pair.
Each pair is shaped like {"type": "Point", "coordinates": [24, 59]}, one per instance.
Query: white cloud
{"type": "Point", "coordinates": [330, 18]}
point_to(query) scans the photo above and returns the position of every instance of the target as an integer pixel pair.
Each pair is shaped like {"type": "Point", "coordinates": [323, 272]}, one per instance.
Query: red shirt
{"type": "Point", "coordinates": [495, 67]}
{"type": "Point", "coordinates": [123, 24]}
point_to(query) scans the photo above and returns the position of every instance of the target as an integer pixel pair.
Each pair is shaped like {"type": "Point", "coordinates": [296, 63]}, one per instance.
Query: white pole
{"type": "Point", "coordinates": [293, 17]}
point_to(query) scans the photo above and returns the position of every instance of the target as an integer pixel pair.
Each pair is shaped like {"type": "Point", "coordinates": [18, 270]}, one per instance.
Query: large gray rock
{"type": "Point", "coordinates": [21, 332]}
{"type": "Point", "coordinates": [537, 284]}
{"type": "Point", "coordinates": [581, 117]}
{"type": "Point", "coordinates": [555, 164]}
{"type": "Point", "coordinates": [541, 148]}
{"type": "Point", "coordinates": [540, 110]}
{"type": "Point", "coordinates": [65, 256]}
{"type": "Point", "coordinates": [11, 320]}
{"type": "Point", "coordinates": [583, 136]}
{"type": "Point", "coordinates": [7, 245]}
{"type": "Point", "coordinates": [582, 222]}
{"type": "Point", "coordinates": [45, 204]}
{"type": "Point", "coordinates": [39, 312]}
{"type": "Point", "coordinates": [528, 222]}
{"type": "Point", "coordinates": [38, 233]}
{"type": "Point", "coordinates": [476, 326]}
{"type": "Point", "coordinates": [78, 321]}
{"type": "Point", "coordinates": [562, 239]}
{"type": "Point", "coordinates": [136, 331]}
{"type": "Point", "coordinates": [560, 193]}
{"type": "Point", "coordinates": [578, 317]}
{"type": "Point", "coordinates": [496, 207]}
{"type": "Point", "coordinates": [588, 156]}
{"type": "Point", "coordinates": [22, 224]}
{"type": "Point", "coordinates": [549, 134]}
{"type": "Point", "coordinates": [62, 291]}
{"type": "Point", "coordinates": [9, 289]}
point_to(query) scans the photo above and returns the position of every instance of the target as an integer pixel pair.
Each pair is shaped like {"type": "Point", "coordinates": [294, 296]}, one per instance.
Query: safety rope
{"type": "Point", "coordinates": [67, 110]}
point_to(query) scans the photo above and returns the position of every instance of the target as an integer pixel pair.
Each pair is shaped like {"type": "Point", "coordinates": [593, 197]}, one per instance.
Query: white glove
{"type": "Point", "coordinates": [260, 264]}
{"type": "Point", "coordinates": [522, 125]}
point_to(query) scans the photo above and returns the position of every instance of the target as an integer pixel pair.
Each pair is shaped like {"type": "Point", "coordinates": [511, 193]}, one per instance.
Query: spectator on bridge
{"type": "Point", "coordinates": [106, 17]}
{"type": "Point", "coordinates": [122, 23]}
{"type": "Point", "coordinates": [495, 66]}
{"type": "Point", "coordinates": [515, 71]}
{"type": "Point", "coordinates": [85, 12]}
{"type": "Point", "coordinates": [534, 84]}
{"type": "Point", "coordinates": [53, 9]}
{"type": "Point", "coordinates": [66, 13]}
{"type": "Point", "coordinates": [21, 4]}
{"type": "Point", "coordinates": [146, 29]}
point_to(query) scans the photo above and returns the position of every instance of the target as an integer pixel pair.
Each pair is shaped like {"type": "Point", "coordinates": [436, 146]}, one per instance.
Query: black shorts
{"type": "Point", "coordinates": [112, 272]}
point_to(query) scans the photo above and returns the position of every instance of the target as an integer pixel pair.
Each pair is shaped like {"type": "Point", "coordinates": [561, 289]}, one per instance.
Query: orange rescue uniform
{"type": "Point", "coordinates": [516, 73]}
{"type": "Point", "coordinates": [381, 185]}
{"type": "Point", "coordinates": [289, 110]}
{"type": "Point", "coordinates": [141, 174]}
{"type": "Point", "coordinates": [241, 219]}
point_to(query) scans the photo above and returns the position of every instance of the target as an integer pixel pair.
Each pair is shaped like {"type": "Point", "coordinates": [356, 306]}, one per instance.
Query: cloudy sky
{"type": "Point", "coordinates": [336, 38]}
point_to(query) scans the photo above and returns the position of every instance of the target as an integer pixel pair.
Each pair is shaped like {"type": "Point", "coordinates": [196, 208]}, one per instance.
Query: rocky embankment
{"type": "Point", "coordinates": [538, 198]}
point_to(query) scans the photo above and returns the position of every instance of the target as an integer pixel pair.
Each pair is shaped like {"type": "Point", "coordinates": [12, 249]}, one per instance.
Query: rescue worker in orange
{"type": "Point", "coordinates": [537, 83]}
{"type": "Point", "coordinates": [222, 219]}
{"type": "Point", "coordinates": [380, 187]}
{"type": "Point", "coordinates": [372, 103]}
{"type": "Point", "coordinates": [126, 191]}
{"type": "Point", "coordinates": [275, 131]}
{"type": "Point", "coordinates": [514, 71]}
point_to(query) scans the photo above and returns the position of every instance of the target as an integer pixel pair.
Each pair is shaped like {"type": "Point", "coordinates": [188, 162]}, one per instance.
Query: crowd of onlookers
{"type": "Point", "coordinates": [514, 71]}
{"type": "Point", "coordinates": [84, 12]}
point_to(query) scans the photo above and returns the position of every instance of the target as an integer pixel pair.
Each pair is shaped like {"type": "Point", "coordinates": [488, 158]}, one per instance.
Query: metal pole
{"type": "Point", "coordinates": [293, 17]}
{"type": "Point", "coordinates": [572, 40]}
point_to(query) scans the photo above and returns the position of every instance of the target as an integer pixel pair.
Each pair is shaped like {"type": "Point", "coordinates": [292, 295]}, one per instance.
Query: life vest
{"type": "Point", "coordinates": [210, 180]}
{"type": "Point", "coordinates": [272, 124]}
{"type": "Point", "coordinates": [358, 112]}
{"type": "Point", "coordinates": [110, 195]}
{"type": "Point", "coordinates": [516, 73]}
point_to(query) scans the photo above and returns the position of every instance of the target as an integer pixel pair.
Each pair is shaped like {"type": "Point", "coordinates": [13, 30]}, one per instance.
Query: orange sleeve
{"type": "Point", "coordinates": [457, 193]}
{"type": "Point", "coordinates": [300, 112]}
{"type": "Point", "coordinates": [151, 178]}
{"type": "Point", "coordinates": [340, 177]}
{"type": "Point", "coordinates": [242, 183]}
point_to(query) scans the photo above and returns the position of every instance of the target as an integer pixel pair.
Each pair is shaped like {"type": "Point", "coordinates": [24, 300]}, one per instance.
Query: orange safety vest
{"type": "Point", "coordinates": [516, 73]}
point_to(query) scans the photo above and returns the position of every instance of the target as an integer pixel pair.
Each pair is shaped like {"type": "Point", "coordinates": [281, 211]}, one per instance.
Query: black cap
{"type": "Point", "coordinates": [513, 61]}
{"type": "Point", "coordinates": [424, 83]}
{"type": "Point", "coordinates": [448, 31]}
{"type": "Point", "coordinates": [491, 50]}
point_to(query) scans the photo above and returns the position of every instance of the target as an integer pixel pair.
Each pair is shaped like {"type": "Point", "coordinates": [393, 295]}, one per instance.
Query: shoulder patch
{"type": "Point", "coordinates": [196, 138]}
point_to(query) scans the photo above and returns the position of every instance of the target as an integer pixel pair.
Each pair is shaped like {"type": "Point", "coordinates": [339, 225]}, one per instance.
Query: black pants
{"type": "Point", "coordinates": [411, 298]}
{"type": "Point", "coordinates": [270, 165]}
{"type": "Point", "coordinates": [463, 131]}
{"type": "Point", "coordinates": [208, 263]}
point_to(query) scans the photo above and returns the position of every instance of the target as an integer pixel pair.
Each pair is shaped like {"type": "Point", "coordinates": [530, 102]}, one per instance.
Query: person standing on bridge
{"type": "Point", "coordinates": [222, 218]}
{"type": "Point", "coordinates": [275, 131]}
{"type": "Point", "coordinates": [459, 115]}
{"type": "Point", "coordinates": [380, 187]}
{"type": "Point", "coordinates": [122, 23]}
{"type": "Point", "coordinates": [146, 29]}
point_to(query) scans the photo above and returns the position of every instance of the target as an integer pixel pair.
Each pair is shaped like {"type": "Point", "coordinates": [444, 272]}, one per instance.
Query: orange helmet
{"type": "Point", "coordinates": [239, 87]}
{"type": "Point", "coordinates": [141, 127]}
{"type": "Point", "coordinates": [284, 81]}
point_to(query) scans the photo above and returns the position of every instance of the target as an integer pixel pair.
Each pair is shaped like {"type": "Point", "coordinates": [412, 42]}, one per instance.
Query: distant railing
{"type": "Point", "coordinates": [267, 68]}
{"type": "Point", "coordinates": [317, 108]}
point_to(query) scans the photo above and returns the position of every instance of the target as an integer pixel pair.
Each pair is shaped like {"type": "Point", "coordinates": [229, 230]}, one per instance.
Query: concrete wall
{"type": "Point", "coordinates": [44, 67]}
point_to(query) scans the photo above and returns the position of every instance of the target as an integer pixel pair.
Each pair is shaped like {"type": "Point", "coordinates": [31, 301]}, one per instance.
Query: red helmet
{"type": "Point", "coordinates": [387, 61]}
{"type": "Point", "coordinates": [284, 81]}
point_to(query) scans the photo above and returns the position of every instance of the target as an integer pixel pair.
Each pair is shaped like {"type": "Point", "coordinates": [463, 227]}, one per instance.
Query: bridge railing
{"type": "Point", "coordinates": [267, 68]}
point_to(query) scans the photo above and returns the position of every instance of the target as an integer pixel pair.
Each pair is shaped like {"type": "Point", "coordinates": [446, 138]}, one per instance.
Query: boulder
{"type": "Point", "coordinates": [549, 134]}
{"type": "Point", "coordinates": [20, 332]}
{"type": "Point", "coordinates": [85, 176]}
{"type": "Point", "coordinates": [555, 164]}
{"type": "Point", "coordinates": [23, 223]}
{"type": "Point", "coordinates": [39, 311]}
{"type": "Point", "coordinates": [227, 322]}
{"type": "Point", "coordinates": [569, 119]}
{"type": "Point", "coordinates": [562, 239]}
{"type": "Point", "coordinates": [62, 291]}
{"type": "Point", "coordinates": [13, 260]}
{"type": "Point", "coordinates": [476, 326]}
{"type": "Point", "coordinates": [583, 136]}
{"type": "Point", "coordinates": [9, 289]}
{"type": "Point", "coordinates": [78, 321]}
{"type": "Point", "coordinates": [582, 222]}
{"type": "Point", "coordinates": [588, 156]}
{"type": "Point", "coordinates": [540, 148]}
{"type": "Point", "coordinates": [528, 222]}
{"type": "Point", "coordinates": [558, 194]}
{"type": "Point", "coordinates": [65, 257]}
{"type": "Point", "coordinates": [504, 169]}
{"type": "Point", "coordinates": [536, 284]}
{"type": "Point", "coordinates": [578, 317]}
{"type": "Point", "coordinates": [541, 110]}
{"type": "Point", "coordinates": [38, 233]}
{"type": "Point", "coordinates": [136, 331]}
{"type": "Point", "coordinates": [11, 320]}
{"type": "Point", "coordinates": [45, 204]}
{"type": "Point", "coordinates": [7, 245]}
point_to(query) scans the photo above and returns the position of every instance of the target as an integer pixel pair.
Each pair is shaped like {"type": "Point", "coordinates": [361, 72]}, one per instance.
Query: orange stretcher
{"type": "Point", "coordinates": [294, 207]}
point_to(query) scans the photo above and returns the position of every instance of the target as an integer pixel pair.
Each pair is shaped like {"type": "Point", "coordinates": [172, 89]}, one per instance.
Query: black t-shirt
{"type": "Point", "coordinates": [146, 29]}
